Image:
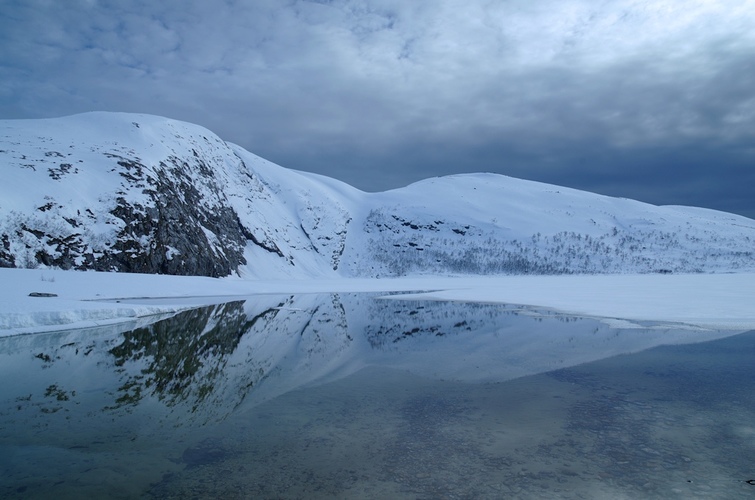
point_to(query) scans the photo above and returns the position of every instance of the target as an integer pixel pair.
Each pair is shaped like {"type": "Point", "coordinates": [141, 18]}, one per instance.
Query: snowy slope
{"type": "Point", "coordinates": [489, 224]}
{"type": "Point", "coordinates": [139, 193]}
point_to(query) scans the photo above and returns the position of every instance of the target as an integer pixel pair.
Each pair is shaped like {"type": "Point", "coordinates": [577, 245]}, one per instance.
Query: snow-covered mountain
{"type": "Point", "coordinates": [139, 193]}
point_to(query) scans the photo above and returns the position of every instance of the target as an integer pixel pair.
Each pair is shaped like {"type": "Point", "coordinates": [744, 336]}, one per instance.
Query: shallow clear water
{"type": "Point", "coordinates": [349, 396]}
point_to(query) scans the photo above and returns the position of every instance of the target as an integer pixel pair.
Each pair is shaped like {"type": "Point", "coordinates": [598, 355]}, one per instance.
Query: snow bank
{"type": "Point", "coordinates": [82, 299]}
{"type": "Point", "coordinates": [719, 301]}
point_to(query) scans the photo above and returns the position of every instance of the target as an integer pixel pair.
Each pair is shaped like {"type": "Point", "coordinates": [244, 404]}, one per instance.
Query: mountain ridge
{"type": "Point", "coordinates": [141, 193]}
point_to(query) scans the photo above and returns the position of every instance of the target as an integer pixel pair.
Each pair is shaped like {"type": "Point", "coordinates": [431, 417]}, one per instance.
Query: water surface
{"type": "Point", "coordinates": [350, 396]}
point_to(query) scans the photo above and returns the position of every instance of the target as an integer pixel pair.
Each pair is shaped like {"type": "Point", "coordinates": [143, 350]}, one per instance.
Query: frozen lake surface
{"type": "Point", "coordinates": [354, 396]}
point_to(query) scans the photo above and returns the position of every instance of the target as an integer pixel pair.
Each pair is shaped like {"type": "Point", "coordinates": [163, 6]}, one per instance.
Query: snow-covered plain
{"type": "Point", "coordinates": [84, 299]}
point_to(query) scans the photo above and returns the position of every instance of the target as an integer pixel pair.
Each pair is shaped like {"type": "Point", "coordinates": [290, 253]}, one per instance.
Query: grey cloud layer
{"type": "Point", "coordinates": [597, 95]}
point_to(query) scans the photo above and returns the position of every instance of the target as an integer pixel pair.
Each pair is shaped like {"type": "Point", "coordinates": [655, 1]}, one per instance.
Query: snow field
{"type": "Point", "coordinates": [712, 301]}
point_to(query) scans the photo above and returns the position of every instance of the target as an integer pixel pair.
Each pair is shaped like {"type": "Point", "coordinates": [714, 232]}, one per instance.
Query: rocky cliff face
{"type": "Point", "coordinates": [146, 195]}
{"type": "Point", "coordinates": [175, 229]}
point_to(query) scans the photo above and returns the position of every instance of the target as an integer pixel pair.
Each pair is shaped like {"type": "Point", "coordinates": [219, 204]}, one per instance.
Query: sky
{"type": "Point", "coordinates": [650, 100]}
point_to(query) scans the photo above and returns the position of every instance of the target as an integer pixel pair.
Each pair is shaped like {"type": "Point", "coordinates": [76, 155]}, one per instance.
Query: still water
{"type": "Point", "coordinates": [355, 396]}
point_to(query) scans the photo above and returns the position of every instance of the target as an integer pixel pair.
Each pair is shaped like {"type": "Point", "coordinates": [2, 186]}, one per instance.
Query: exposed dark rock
{"type": "Point", "coordinates": [6, 257]}
{"type": "Point", "coordinates": [174, 230]}
{"type": "Point", "coordinates": [183, 236]}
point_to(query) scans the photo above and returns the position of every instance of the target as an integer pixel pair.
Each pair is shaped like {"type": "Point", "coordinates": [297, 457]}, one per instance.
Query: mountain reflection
{"type": "Point", "coordinates": [204, 364]}
{"type": "Point", "coordinates": [184, 354]}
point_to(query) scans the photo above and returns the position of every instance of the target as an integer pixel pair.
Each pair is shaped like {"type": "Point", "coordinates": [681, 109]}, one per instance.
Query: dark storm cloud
{"type": "Point", "coordinates": [650, 100]}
